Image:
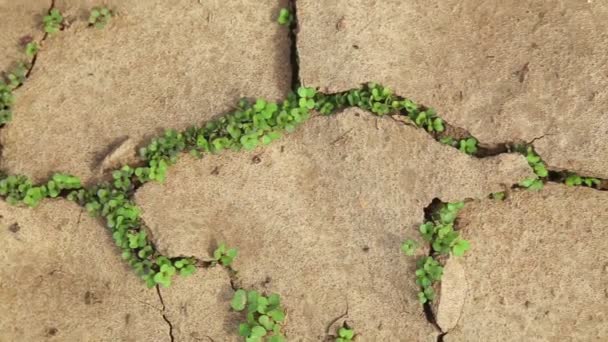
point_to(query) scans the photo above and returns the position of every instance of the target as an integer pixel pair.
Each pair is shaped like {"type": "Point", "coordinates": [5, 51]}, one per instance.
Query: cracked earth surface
{"type": "Point", "coordinates": [318, 216]}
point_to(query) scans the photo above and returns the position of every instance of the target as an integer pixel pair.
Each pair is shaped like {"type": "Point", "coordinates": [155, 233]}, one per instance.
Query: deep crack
{"type": "Point", "coordinates": [162, 302]}
{"type": "Point", "coordinates": [293, 52]}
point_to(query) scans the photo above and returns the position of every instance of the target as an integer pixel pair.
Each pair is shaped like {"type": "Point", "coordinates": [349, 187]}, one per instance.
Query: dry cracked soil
{"type": "Point", "coordinates": [318, 216]}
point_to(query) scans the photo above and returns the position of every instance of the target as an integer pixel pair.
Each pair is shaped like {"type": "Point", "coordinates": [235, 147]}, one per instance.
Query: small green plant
{"type": "Point", "coordinates": [345, 334]}
{"type": "Point", "coordinates": [576, 180]}
{"type": "Point", "coordinates": [409, 247]}
{"type": "Point", "coordinates": [31, 49]}
{"type": "Point", "coordinates": [538, 166]}
{"type": "Point", "coordinates": [264, 316]}
{"type": "Point", "coordinates": [444, 240]}
{"type": "Point", "coordinates": [53, 21]}
{"type": "Point", "coordinates": [99, 17]}
{"type": "Point", "coordinates": [499, 196]}
{"type": "Point", "coordinates": [428, 272]}
{"type": "Point", "coordinates": [285, 17]}
{"type": "Point", "coordinates": [449, 141]}
{"type": "Point", "coordinates": [224, 255]}
{"type": "Point", "coordinates": [468, 145]}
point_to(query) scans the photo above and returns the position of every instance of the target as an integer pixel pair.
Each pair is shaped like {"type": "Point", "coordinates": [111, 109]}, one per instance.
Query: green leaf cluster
{"type": "Point", "coordinates": [428, 272]}
{"type": "Point", "coordinates": [380, 100]}
{"type": "Point", "coordinates": [440, 231]}
{"type": "Point", "coordinates": [224, 255]}
{"type": "Point", "coordinates": [468, 145]}
{"type": "Point", "coordinates": [444, 240]}
{"type": "Point", "coordinates": [264, 316]}
{"type": "Point", "coordinates": [409, 247]}
{"type": "Point", "coordinates": [122, 218]}
{"type": "Point", "coordinates": [345, 334]}
{"type": "Point", "coordinates": [52, 21]}
{"type": "Point", "coordinates": [537, 165]}
{"type": "Point", "coordinates": [575, 180]}
{"type": "Point", "coordinates": [249, 126]}
{"type": "Point", "coordinates": [10, 81]}
{"type": "Point", "coordinates": [285, 17]}
{"type": "Point", "coordinates": [99, 17]}
{"type": "Point", "coordinates": [31, 49]}
{"type": "Point", "coordinates": [20, 189]}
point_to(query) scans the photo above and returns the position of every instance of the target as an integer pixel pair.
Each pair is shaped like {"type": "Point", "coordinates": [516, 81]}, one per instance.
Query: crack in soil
{"type": "Point", "coordinates": [293, 52]}
{"type": "Point", "coordinates": [35, 57]}
{"type": "Point", "coordinates": [162, 302]}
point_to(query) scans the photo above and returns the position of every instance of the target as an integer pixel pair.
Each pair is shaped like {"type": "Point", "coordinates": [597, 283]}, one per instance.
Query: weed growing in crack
{"type": "Point", "coordinates": [537, 165]}
{"type": "Point", "coordinates": [444, 240]}
{"type": "Point", "coordinates": [428, 272]}
{"type": "Point", "coordinates": [31, 49]}
{"type": "Point", "coordinates": [264, 316]}
{"type": "Point", "coordinates": [224, 255]}
{"type": "Point", "coordinates": [575, 180]}
{"type": "Point", "coordinates": [53, 21]}
{"type": "Point", "coordinates": [468, 145]}
{"type": "Point", "coordinates": [285, 17]}
{"type": "Point", "coordinates": [251, 125]}
{"type": "Point", "coordinates": [123, 219]}
{"type": "Point", "coordinates": [19, 189]}
{"type": "Point", "coordinates": [99, 17]}
{"type": "Point", "coordinates": [499, 196]}
{"type": "Point", "coordinates": [345, 334]}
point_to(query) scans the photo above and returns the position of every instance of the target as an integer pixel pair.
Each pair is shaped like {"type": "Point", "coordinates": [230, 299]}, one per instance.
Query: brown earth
{"type": "Point", "coordinates": [319, 217]}
{"type": "Point", "coordinates": [503, 70]}
{"type": "Point", "coordinates": [537, 269]}
{"type": "Point", "coordinates": [160, 64]}
{"type": "Point", "coordinates": [62, 279]}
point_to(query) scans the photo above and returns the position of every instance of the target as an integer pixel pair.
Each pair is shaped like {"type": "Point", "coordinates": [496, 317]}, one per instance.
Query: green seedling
{"type": "Point", "coordinates": [409, 247]}
{"type": "Point", "coordinates": [264, 316]}
{"type": "Point", "coordinates": [99, 17]}
{"type": "Point", "coordinates": [345, 334]}
{"type": "Point", "coordinates": [538, 166]}
{"type": "Point", "coordinates": [224, 255]}
{"type": "Point", "coordinates": [576, 180]}
{"type": "Point", "coordinates": [468, 145]}
{"type": "Point", "coordinates": [428, 272]}
{"type": "Point", "coordinates": [449, 141]}
{"type": "Point", "coordinates": [444, 240]}
{"type": "Point", "coordinates": [499, 196]}
{"type": "Point", "coordinates": [31, 49]}
{"type": "Point", "coordinates": [53, 21]}
{"type": "Point", "coordinates": [285, 17]}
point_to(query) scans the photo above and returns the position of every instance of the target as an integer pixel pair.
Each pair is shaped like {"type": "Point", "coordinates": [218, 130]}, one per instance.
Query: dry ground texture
{"type": "Point", "coordinates": [318, 216]}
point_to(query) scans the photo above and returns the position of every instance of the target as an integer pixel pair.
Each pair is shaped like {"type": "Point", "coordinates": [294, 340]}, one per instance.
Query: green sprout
{"type": "Point", "coordinates": [345, 334]}
{"type": "Point", "coordinates": [285, 17]}
{"type": "Point", "coordinates": [538, 166]}
{"type": "Point", "coordinates": [468, 145]}
{"type": "Point", "coordinates": [224, 255]}
{"type": "Point", "coordinates": [499, 196]}
{"type": "Point", "coordinates": [575, 180]}
{"type": "Point", "coordinates": [409, 247]}
{"type": "Point", "coordinates": [31, 49]}
{"type": "Point", "coordinates": [264, 316]}
{"type": "Point", "coordinates": [53, 21]}
{"type": "Point", "coordinates": [99, 17]}
{"type": "Point", "coordinates": [428, 272]}
{"type": "Point", "coordinates": [444, 240]}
